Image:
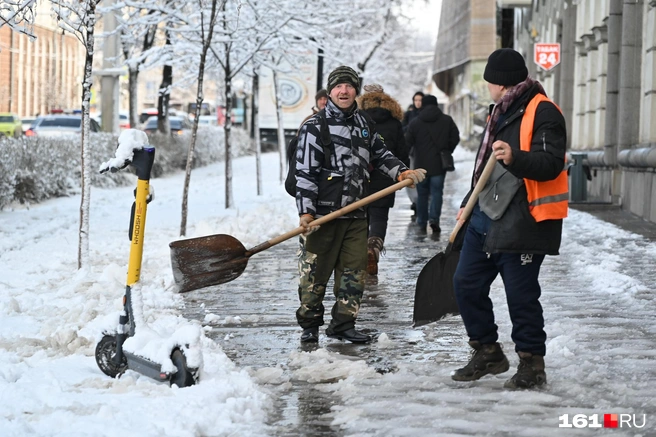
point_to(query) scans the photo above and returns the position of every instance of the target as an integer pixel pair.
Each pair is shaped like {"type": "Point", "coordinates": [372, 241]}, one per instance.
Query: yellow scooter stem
{"type": "Point", "coordinates": [138, 229]}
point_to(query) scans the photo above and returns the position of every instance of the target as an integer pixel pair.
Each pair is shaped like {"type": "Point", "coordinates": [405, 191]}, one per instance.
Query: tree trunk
{"type": "Point", "coordinates": [226, 130]}
{"type": "Point", "coordinates": [85, 198]}
{"type": "Point", "coordinates": [133, 75]}
{"type": "Point", "coordinates": [199, 103]}
{"type": "Point", "coordinates": [256, 129]}
{"type": "Point", "coordinates": [163, 98]}
{"type": "Point", "coordinates": [281, 130]}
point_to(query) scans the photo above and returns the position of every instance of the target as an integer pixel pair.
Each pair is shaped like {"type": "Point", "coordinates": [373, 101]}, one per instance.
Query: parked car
{"type": "Point", "coordinates": [147, 113]}
{"type": "Point", "coordinates": [123, 119]}
{"type": "Point", "coordinates": [10, 125]}
{"type": "Point", "coordinates": [177, 125]}
{"type": "Point", "coordinates": [54, 125]}
{"type": "Point", "coordinates": [208, 120]}
{"type": "Point", "coordinates": [27, 122]}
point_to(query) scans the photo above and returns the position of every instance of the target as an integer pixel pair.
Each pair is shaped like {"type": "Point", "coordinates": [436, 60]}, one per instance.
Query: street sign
{"type": "Point", "coordinates": [546, 55]}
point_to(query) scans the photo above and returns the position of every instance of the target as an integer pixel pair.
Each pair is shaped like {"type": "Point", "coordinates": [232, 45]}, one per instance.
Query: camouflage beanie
{"type": "Point", "coordinates": [343, 74]}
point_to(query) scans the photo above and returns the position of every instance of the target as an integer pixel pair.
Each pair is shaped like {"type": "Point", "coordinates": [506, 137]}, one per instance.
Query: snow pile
{"type": "Point", "coordinates": [53, 315]}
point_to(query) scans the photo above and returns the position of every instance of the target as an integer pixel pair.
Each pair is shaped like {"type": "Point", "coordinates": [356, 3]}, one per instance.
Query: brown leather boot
{"type": "Point", "coordinates": [374, 247]}
{"type": "Point", "coordinates": [486, 359]}
{"type": "Point", "coordinates": [530, 372]}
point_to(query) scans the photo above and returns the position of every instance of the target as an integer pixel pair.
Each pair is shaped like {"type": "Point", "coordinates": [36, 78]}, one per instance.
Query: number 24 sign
{"type": "Point", "coordinates": [547, 55]}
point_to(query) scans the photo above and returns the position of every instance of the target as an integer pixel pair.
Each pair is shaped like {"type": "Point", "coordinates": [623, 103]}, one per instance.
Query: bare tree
{"type": "Point", "coordinates": [245, 33]}
{"type": "Point", "coordinates": [137, 25]}
{"type": "Point", "coordinates": [79, 18]}
{"type": "Point", "coordinates": [207, 21]}
{"type": "Point", "coordinates": [19, 15]}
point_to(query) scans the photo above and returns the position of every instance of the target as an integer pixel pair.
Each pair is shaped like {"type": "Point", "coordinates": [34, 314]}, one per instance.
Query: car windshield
{"type": "Point", "coordinates": [60, 122]}
{"type": "Point", "coordinates": [6, 119]}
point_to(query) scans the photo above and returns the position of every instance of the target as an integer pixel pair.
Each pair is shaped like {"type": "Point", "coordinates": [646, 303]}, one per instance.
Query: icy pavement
{"type": "Point", "coordinates": [598, 299]}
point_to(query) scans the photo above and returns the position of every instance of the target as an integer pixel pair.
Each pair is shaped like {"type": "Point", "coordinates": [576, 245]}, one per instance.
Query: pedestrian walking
{"type": "Point", "coordinates": [326, 184]}
{"type": "Point", "coordinates": [413, 110]}
{"type": "Point", "coordinates": [320, 100]}
{"type": "Point", "coordinates": [387, 114]}
{"type": "Point", "coordinates": [515, 224]}
{"type": "Point", "coordinates": [430, 134]}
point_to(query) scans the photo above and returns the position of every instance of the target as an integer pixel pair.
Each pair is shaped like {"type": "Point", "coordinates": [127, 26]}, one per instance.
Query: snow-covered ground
{"type": "Point", "coordinates": [52, 316]}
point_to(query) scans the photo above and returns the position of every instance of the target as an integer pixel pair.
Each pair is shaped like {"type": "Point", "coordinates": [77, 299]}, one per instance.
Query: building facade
{"type": "Point", "coordinates": [41, 75]}
{"type": "Point", "coordinates": [605, 84]}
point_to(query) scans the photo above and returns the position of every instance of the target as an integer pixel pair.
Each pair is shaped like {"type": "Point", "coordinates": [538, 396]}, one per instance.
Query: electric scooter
{"type": "Point", "coordinates": [112, 359]}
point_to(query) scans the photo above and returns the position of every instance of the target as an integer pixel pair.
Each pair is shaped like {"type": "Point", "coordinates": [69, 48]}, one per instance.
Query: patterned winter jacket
{"type": "Point", "coordinates": [353, 148]}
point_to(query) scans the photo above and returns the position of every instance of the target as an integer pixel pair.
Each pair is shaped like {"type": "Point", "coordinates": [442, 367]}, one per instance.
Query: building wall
{"type": "Point", "coordinates": [40, 75]}
{"type": "Point", "coordinates": [466, 37]}
{"type": "Point", "coordinates": [613, 89]}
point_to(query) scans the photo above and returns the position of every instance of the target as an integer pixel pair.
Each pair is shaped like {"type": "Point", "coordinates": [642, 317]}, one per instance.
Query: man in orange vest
{"type": "Point", "coordinates": [512, 230]}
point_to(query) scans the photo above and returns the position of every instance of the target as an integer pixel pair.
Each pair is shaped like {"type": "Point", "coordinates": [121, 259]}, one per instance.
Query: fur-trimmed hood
{"type": "Point", "coordinates": [381, 100]}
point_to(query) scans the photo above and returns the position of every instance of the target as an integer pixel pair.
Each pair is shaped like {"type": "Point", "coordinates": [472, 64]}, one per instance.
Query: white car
{"type": "Point", "coordinates": [56, 125]}
{"type": "Point", "coordinates": [208, 120]}
{"type": "Point", "coordinates": [27, 122]}
{"type": "Point", "coordinates": [123, 119]}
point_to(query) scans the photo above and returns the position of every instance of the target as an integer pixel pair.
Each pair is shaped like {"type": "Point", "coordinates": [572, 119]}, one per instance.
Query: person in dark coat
{"type": "Point", "coordinates": [387, 114]}
{"type": "Point", "coordinates": [427, 136]}
{"type": "Point", "coordinates": [513, 245]}
{"type": "Point", "coordinates": [413, 110]}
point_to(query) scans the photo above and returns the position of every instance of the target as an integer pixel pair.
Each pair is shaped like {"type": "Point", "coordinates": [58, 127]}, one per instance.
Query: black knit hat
{"type": "Point", "coordinates": [428, 100]}
{"type": "Point", "coordinates": [321, 93]}
{"type": "Point", "coordinates": [343, 74]}
{"type": "Point", "coordinates": [505, 67]}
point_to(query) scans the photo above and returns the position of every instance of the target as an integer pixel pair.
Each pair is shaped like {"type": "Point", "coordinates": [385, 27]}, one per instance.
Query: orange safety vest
{"type": "Point", "coordinates": [546, 200]}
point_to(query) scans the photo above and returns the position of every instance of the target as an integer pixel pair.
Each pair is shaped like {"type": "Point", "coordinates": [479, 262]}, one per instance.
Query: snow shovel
{"type": "Point", "coordinates": [434, 294]}
{"type": "Point", "coordinates": [217, 259]}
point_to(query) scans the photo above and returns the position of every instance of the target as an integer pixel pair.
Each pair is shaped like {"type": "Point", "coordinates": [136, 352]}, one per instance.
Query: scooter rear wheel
{"type": "Point", "coordinates": [105, 352]}
{"type": "Point", "coordinates": [184, 377]}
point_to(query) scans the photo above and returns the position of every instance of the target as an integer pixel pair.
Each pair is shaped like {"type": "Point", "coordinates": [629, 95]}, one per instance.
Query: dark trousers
{"type": "Point", "coordinates": [378, 218]}
{"type": "Point", "coordinates": [475, 273]}
{"type": "Point", "coordinates": [339, 246]}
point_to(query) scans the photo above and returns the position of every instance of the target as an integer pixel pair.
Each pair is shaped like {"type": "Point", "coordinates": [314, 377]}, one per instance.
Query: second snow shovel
{"type": "Point", "coordinates": [217, 259]}
{"type": "Point", "coordinates": [434, 294]}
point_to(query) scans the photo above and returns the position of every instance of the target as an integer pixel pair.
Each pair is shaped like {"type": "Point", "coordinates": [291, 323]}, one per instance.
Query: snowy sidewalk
{"type": "Point", "coordinates": [257, 380]}
{"type": "Point", "coordinates": [598, 297]}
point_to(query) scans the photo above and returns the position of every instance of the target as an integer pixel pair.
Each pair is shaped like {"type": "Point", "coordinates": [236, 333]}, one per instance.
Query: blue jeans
{"type": "Point", "coordinates": [475, 273]}
{"type": "Point", "coordinates": [433, 186]}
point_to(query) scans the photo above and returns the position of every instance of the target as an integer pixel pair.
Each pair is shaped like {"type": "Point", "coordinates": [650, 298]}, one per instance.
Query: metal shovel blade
{"type": "Point", "coordinates": [205, 261]}
{"type": "Point", "coordinates": [434, 295]}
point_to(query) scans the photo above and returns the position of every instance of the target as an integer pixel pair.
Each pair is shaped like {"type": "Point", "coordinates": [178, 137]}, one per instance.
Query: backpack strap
{"type": "Point", "coordinates": [371, 124]}
{"type": "Point", "coordinates": [324, 137]}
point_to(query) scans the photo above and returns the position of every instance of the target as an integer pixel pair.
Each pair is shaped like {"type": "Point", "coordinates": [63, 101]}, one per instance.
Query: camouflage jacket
{"type": "Point", "coordinates": [354, 149]}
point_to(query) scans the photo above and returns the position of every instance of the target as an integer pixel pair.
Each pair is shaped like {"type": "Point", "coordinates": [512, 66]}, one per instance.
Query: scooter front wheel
{"type": "Point", "coordinates": [184, 377]}
{"type": "Point", "coordinates": [105, 353]}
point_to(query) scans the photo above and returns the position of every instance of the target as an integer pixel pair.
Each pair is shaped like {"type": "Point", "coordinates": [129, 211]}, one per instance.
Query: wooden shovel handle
{"type": "Point", "coordinates": [329, 217]}
{"type": "Point", "coordinates": [473, 198]}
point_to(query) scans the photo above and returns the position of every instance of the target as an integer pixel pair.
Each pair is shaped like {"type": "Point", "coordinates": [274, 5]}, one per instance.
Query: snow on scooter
{"type": "Point", "coordinates": [112, 354]}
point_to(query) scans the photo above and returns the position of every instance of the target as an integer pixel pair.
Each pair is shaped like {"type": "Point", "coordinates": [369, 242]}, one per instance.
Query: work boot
{"type": "Point", "coordinates": [374, 248]}
{"type": "Point", "coordinates": [310, 335]}
{"type": "Point", "coordinates": [486, 358]}
{"type": "Point", "coordinates": [436, 228]}
{"type": "Point", "coordinates": [530, 372]}
{"type": "Point", "coordinates": [350, 334]}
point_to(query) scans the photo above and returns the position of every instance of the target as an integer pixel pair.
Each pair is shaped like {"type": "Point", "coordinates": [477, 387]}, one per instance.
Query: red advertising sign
{"type": "Point", "coordinates": [546, 55]}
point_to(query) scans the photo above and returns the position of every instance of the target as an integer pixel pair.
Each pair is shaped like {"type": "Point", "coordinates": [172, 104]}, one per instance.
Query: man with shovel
{"type": "Point", "coordinates": [517, 221]}
{"type": "Point", "coordinates": [330, 177]}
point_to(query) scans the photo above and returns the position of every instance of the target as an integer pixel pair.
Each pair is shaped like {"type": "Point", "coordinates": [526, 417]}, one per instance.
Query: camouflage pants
{"type": "Point", "coordinates": [339, 246]}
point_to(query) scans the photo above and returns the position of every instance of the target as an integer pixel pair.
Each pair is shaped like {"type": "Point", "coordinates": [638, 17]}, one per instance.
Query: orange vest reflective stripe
{"type": "Point", "coordinates": [546, 200]}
